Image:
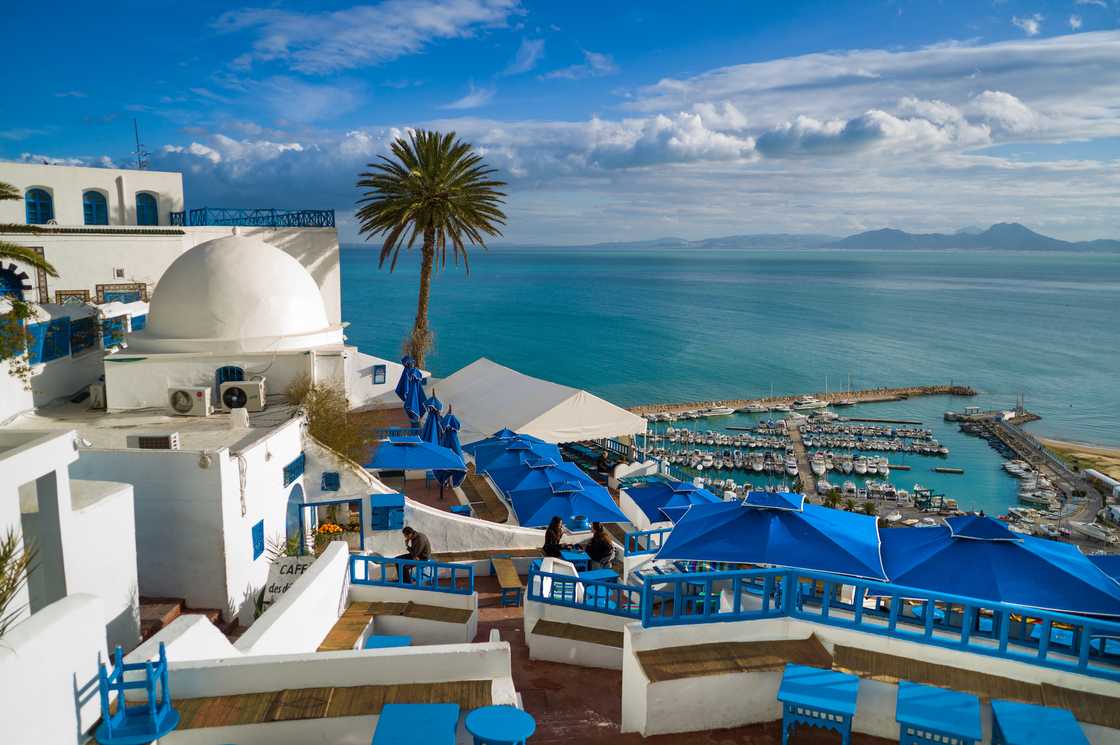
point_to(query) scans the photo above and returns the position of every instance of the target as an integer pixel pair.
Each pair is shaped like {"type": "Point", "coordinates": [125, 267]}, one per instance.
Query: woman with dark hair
{"type": "Point", "coordinates": [552, 537]}
{"type": "Point", "coordinates": [600, 549]}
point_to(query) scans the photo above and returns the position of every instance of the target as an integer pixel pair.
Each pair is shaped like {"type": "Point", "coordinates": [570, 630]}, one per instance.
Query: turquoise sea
{"type": "Point", "coordinates": [666, 325]}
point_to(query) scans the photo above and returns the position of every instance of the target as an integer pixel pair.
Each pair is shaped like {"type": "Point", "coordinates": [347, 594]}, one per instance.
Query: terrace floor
{"type": "Point", "coordinates": [584, 705]}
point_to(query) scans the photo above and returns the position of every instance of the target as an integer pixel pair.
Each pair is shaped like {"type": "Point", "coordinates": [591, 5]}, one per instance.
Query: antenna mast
{"type": "Point", "coordinates": [141, 153]}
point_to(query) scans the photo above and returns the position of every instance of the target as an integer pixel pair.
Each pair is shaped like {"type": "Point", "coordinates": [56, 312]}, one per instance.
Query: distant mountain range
{"type": "Point", "coordinates": [1001, 236]}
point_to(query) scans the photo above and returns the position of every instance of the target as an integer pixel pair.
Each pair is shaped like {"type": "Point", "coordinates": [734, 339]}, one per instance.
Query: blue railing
{"type": "Point", "coordinates": [615, 598]}
{"type": "Point", "coordinates": [258, 218]}
{"type": "Point", "coordinates": [645, 541]}
{"type": "Point", "coordinates": [616, 447]}
{"type": "Point", "coordinates": [434, 576]}
{"type": "Point", "coordinates": [382, 433]}
{"type": "Point", "coordinates": [1056, 640]}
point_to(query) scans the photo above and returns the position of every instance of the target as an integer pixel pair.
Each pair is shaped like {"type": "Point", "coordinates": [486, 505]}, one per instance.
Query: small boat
{"type": "Point", "coordinates": [844, 402]}
{"type": "Point", "coordinates": [718, 411]}
{"type": "Point", "coordinates": [927, 522]}
{"type": "Point", "coordinates": [882, 467]}
{"type": "Point", "coordinates": [894, 517]}
{"type": "Point", "coordinates": [1094, 531]}
{"type": "Point", "coordinates": [818, 464]}
{"type": "Point", "coordinates": [791, 465]}
{"type": "Point", "coordinates": [781, 407]}
{"type": "Point", "coordinates": [860, 464]}
{"type": "Point", "coordinates": [806, 403]}
{"type": "Point", "coordinates": [753, 409]}
{"type": "Point", "coordinates": [823, 487]}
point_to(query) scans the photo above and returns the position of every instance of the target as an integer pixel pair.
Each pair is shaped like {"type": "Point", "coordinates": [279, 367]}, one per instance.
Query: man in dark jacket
{"type": "Point", "coordinates": [419, 549]}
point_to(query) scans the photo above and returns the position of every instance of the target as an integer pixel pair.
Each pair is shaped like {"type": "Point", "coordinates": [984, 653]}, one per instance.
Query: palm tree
{"type": "Point", "coordinates": [869, 508]}
{"type": "Point", "coordinates": [16, 562]}
{"type": "Point", "coordinates": [437, 189]}
{"type": "Point", "coordinates": [14, 252]}
{"type": "Point", "coordinates": [850, 504]}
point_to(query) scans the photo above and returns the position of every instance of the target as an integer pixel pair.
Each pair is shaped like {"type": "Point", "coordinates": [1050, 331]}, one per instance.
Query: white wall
{"type": "Point", "coordinates": [191, 636]}
{"type": "Point", "coordinates": [421, 630]}
{"type": "Point", "coordinates": [746, 698]}
{"type": "Point", "coordinates": [90, 257]}
{"type": "Point", "coordinates": [48, 665]}
{"type": "Point", "coordinates": [302, 617]}
{"type": "Point", "coordinates": [449, 532]}
{"type": "Point", "coordinates": [566, 651]}
{"type": "Point", "coordinates": [66, 184]}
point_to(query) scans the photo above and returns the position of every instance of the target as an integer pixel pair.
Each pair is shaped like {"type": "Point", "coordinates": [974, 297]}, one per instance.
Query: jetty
{"type": "Point", "coordinates": [869, 395]}
{"type": "Point", "coordinates": [804, 468]}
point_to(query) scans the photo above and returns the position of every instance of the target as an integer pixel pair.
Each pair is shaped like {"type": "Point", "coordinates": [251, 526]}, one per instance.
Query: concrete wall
{"type": "Point", "coordinates": [301, 619]}
{"type": "Point", "coordinates": [48, 665]}
{"type": "Point", "coordinates": [189, 637]}
{"type": "Point", "coordinates": [90, 257]}
{"type": "Point", "coordinates": [746, 698]}
{"type": "Point", "coordinates": [66, 185]}
{"type": "Point", "coordinates": [571, 652]}
{"type": "Point", "coordinates": [449, 532]}
{"type": "Point", "coordinates": [422, 631]}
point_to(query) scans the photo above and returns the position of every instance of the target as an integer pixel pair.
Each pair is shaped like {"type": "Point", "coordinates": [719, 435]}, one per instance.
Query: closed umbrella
{"type": "Point", "coordinates": [451, 427]}
{"type": "Point", "coordinates": [778, 529]}
{"type": "Point", "coordinates": [433, 421]}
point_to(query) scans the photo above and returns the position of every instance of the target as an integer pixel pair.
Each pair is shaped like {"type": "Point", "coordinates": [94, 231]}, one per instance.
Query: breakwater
{"type": "Point", "coordinates": [868, 395]}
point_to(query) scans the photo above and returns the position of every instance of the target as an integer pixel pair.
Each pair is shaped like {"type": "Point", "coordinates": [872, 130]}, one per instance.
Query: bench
{"type": "Point", "coordinates": [487, 504]}
{"type": "Point", "coordinates": [349, 628]}
{"type": "Point", "coordinates": [700, 660]}
{"type": "Point", "coordinates": [508, 580]}
{"type": "Point", "coordinates": [577, 633]}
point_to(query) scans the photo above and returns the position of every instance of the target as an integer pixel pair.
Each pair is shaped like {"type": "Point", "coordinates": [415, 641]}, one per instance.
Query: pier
{"type": "Point", "coordinates": [870, 395]}
{"type": "Point", "coordinates": [869, 420]}
{"type": "Point", "coordinates": [804, 468]}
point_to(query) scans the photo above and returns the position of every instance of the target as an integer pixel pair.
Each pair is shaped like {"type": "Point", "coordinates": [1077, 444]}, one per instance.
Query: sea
{"type": "Point", "coordinates": [675, 325]}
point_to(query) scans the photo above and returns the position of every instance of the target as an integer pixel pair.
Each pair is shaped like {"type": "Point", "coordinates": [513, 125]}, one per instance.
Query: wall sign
{"type": "Point", "coordinates": [282, 574]}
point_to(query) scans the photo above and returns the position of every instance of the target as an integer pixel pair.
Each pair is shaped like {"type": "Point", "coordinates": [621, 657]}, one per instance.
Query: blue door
{"type": "Point", "coordinates": [40, 206]}
{"type": "Point", "coordinates": [291, 521]}
{"type": "Point", "coordinates": [95, 209]}
{"type": "Point", "coordinates": [147, 209]}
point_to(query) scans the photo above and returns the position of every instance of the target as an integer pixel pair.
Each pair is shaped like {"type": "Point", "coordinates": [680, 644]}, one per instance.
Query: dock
{"type": "Point", "coordinates": [804, 469]}
{"type": "Point", "coordinates": [947, 469]}
{"type": "Point", "coordinates": [881, 421]}
{"type": "Point", "coordinates": [869, 395]}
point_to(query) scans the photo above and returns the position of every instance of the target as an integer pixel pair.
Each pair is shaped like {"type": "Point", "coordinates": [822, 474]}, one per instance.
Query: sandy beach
{"type": "Point", "coordinates": [1103, 459]}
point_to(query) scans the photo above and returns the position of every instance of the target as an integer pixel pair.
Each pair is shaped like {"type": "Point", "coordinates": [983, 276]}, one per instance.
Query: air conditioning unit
{"type": "Point", "coordinates": [190, 401]}
{"type": "Point", "coordinates": [161, 441]}
{"type": "Point", "coordinates": [242, 394]}
{"type": "Point", "coordinates": [97, 395]}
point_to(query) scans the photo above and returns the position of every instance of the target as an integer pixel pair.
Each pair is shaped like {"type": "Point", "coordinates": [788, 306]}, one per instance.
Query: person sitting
{"type": "Point", "coordinates": [600, 549]}
{"type": "Point", "coordinates": [419, 549]}
{"type": "Point", "coordinates": [553, 535]}
{"type": "Point", "coordinates": [603, 465]}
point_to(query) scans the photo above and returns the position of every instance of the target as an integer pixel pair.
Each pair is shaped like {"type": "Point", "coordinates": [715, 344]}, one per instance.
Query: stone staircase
{"type": "Point", "coordinates": [155, 613]}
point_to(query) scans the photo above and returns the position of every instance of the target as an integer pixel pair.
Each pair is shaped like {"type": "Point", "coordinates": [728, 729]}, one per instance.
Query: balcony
{"type": "Point", "coordinates": [253, 218]}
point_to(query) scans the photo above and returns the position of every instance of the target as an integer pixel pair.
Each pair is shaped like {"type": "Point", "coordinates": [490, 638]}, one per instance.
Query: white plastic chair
{"type": "Point", "coordinates": [552, 565]}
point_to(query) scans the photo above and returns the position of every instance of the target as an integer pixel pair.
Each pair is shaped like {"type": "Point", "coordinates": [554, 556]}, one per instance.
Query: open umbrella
{"type": "Point", "coordinates": [502, 435]}
{"type": "Point", "coordinates": [450, 441]}
{"type": "Point", "coordinates": [668, 500]}
{"type": "Point", "coordinates": [979, 557]}
{"type": "Point", "coordinates": [433, 421]}
{"type": "Point", "coordinates": [562, 490]}
{"type": "Point", "coordinates": [413, 454]}
{"type": "Point", "coordinates": [512, 452]}
{"type": "Point", "coordinates": [778, 529]}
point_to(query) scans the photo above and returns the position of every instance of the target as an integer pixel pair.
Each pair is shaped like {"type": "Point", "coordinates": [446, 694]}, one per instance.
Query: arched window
{"type": "Point", "coordinates": [291, 515]}
{"type": "Point", "coordinates": [40, 206]}
{"type": "Point", "coordinates": [94, 208]}
{"type": "Point", "coordinates": [147, 209]}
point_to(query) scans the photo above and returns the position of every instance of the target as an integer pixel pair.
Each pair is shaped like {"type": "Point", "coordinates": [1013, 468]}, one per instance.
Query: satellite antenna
{"type": "Point", "coordinates": [141, 154]}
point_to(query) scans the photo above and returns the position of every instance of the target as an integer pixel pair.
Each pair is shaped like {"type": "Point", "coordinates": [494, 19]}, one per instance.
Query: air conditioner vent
{"type": "Point", "coordinates": [169, 441]}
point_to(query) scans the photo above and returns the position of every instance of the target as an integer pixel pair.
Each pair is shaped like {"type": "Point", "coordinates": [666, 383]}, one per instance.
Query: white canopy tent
{"type": "Point", "coordinates": [486, 397]}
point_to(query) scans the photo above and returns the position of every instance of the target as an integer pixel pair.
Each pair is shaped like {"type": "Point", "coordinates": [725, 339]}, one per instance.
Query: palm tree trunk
{"type": "Point", "coordinates": [421, 338]}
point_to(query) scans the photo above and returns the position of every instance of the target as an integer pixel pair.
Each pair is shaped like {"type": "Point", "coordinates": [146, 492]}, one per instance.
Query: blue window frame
{"type": "Point", "coordinates": [40, 206]}
{"type": "Point", "coordinates": [95, 208]}
{"type": "Point", "coordinates": [49, 340]}
{"type": "Point", "coordinates": [258, 539]}
{"type": "Point", "coordinates": [378, 374]}
{"type": "Point", "coordinates": [112, 331]}
{"type": "Point", "coordinates": [295, 469]}
{"type": "Point", "coordinates": [139, 322]}
{"type": "Point", "coordinates": [331, 481]}
{"type": "Point", "coordinates": [122, 296]}
{"type": "Point", "coordinates": [147, 209]}
{"type": "Point", "coordinates": [83, 334]}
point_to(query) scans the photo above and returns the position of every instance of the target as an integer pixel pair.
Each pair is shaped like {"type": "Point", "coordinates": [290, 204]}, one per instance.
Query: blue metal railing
{"type": "Point", "coordinates": [260, 218]}
{"type": "Point", "coordinates": [615, 598]}
{"type": "Point", "coordinates": [642, 542]}
{"type": "Point", "coordinates": [382, 433]}
{"type": "Point", "coordinates": [1056, 640]}
{"type": "Point", "coordinates": [434, 576]}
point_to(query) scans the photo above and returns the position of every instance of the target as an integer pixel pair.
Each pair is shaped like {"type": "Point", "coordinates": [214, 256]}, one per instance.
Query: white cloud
{"type": "Point", "coordinates": [1005, 111]}
{"type": "Point", "coordinates": [1031, 25]}
{"type": "Point", "coordinates": [94, 161]}
{"type": "Point", "coordinates": [20, 133]}
{"type": "Point", "coordinates": [1075, 22]}
{"type": "Point", "coordinates": [1099, 3]}
{"type": "Point", "coordinates": [722, 116]}
{"type": "Point", "coordinates": [475, 98]}
{"type": "Point", "coordinates": [594, 65]}
{"type": "Point", "coordinates": [319, 43]}
{"type": "Point", "coordinates": [528, 55]}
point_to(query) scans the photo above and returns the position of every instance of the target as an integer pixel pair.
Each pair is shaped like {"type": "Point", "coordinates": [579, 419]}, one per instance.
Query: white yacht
{"type": "Point", "coordinates": [817, 463]}
{"type": "Point", "coordinates": [784, 408]}
{"type": "Point", "coordinates": [753, 409]}
{"type": "Point", "coordinates": [1094, 531]}
{"type": "Point", "coordinates": [718, 411]}
{"type": "Point", "coordinates": [791, 465]}
{"type": "Point", "coordinates": [805, 403]}
{"type": "Point", "coordinates": [860, 464]}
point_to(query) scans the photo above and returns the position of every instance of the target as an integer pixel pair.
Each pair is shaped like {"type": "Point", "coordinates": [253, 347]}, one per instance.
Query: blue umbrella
{"type": "Point", "coordinates": [402, 385]}
{"type": "Point", "coordinates": [1108, 563]}
{"type": "Point", "coordinates": [511, 474]}
{"type": "Point", "coordinates": [414, 454]}
{"type": "Point", "coordinates": [511, 453]}
{"type": "Point", "coordinates": [450, 441]}
{"type": "Point", "coordinates": [502, 436]}
{"type": "Point", "coordinates": [778, 529]}
{"type": "Point", "coordinates": [538, 477]}
{"type": "Point", "coordinates": [661, 500]}
{"type": "Point", "coordinates": [979, 557]}
{"type": "Point", "coordinates": [567, 496]}
{"type": "Point", "coordinates": [433, 421]}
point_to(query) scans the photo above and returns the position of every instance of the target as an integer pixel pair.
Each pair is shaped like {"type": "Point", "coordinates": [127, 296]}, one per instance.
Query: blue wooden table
{"type": "Point", "coordinates": [817, 698]}
{"type": "Point", "coordinates": [500, 725]}
{"type": "Point", "coordinates": [935, 716]}
{"type": "Point", "coordinates": [579, 559]}
{"type": "Point", "coordinates": [1014, 723]}
{"type": "Point", "coordinates": [599, 575]}
{"type": "Point", "coordinates": [382, 641]}
{"type": "Point", "coordinates": [408, 724]}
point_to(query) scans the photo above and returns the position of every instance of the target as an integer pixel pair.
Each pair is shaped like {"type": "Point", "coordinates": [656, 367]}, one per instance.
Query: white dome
{"type": "Point", "coordinates": [235, 293]}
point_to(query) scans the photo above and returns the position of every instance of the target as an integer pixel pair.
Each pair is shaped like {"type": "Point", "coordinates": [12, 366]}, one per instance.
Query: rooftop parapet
{"type": "Point", "coordinates": [259, 218]}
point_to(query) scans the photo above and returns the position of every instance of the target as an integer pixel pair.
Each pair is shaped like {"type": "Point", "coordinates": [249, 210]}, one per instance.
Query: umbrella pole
{"type": "Point", "coordinates": [441, 491]}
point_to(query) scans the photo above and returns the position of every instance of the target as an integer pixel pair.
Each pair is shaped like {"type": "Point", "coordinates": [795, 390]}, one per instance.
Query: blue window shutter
{"type": "Point", "coordinates": [147, 209]}
{"type": "Point", "coordinates": [295, 469]}
{"type": "Point", "coordinates": [331, 481]}
{"type": "Point", "coordinates": [56, 342]}
{"type": "Point", "coordinates": [258, 539]}
{"type": "Point", "coordinates": [83, 334]}
{"type": "Point", "coordinates": [40, 207]}
{"type": "Point", "coordinates": [36, 337]}
{"type": "Point", "coordinates": [139, 322]}
{"type": "Point", "coordinates": [94, 208]}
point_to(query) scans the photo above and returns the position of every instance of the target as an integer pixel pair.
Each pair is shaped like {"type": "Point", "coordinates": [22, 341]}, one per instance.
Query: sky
{"type": "Point", "coordinates": [609, 120]}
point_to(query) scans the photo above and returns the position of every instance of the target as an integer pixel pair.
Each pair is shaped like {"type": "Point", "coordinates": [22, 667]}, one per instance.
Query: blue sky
{"type": "Point", "coordinates": [610, 120]}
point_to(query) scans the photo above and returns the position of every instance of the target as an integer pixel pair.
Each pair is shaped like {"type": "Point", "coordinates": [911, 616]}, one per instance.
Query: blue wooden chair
{"type": "Point", "coordinates": [812, 697]}
{"type": "Point", "coordinates": [136, 724]}
{"type": "Point", "coordinates": [1015, 723]}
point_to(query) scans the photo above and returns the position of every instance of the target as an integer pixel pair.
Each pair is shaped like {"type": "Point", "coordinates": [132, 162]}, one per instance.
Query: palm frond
{"type": "Point", "coordinates": [9, 193]}
{"type": "Point", "coordinates": [14, 252]}
{"type": "Point", "coordinates": [16, 562]}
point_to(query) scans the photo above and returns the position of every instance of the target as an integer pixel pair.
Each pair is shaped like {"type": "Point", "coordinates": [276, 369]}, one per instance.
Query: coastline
{"type": "Point", "coordinates": [1085, 455]}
